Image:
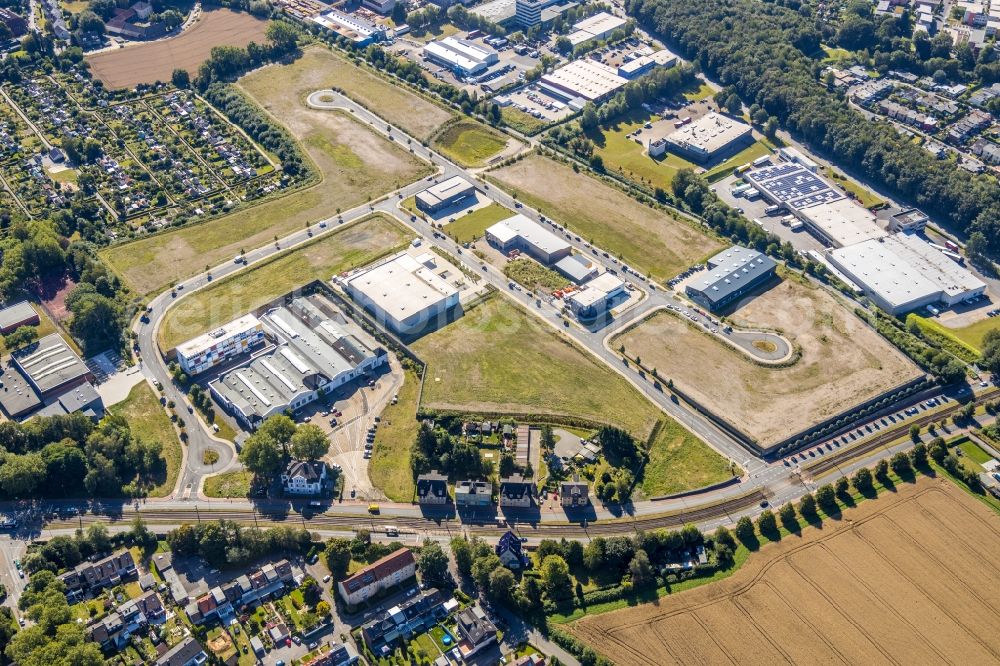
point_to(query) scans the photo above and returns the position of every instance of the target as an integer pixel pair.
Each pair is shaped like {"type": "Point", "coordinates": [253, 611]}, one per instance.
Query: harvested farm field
{"type": "Point", "coordinates": [156, 61]}
{"type": "Point", "coordinates": [905, 579]}
{"type": "Point", "coordinates": [840, 363]}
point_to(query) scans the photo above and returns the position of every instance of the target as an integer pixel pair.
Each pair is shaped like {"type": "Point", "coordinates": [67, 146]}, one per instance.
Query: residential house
{"type": "Point", "coordinates": [380, 575]}
{"type": "Point", "coordinates": [186, 653]}
{"type": "Point", "coordinates": [969, 126]}
{"type": "Point", "coordinates": [279, 633]}
{"type": "Point", "coordinates": [533, 659]}
{"type": "Point", "coordinates": [16, 24]}
{"type": "Point", "coordinates": [473, 494]}
{"type": "Point", "coordinates": [432, 489]}
{"type": "Point", "coordinates": [987, 151]}
{"type": "Point", "coordinates": [164, 564]}
{"type": "Point", "coordinates": [115, 631]}
{"type": "Point", "coordinates": [510, 551]}
{"type": "Point", "coordinates": [91, 576]}
{"type": "Point", "coordinates": [475, 631]}
{"type": "Point", "coordinates": [338, 654]}
{"type": "Point", "coordinates": [247, 590]}
{"type": "Point", "coordinates": [574, 493]}
{"type": "Point", "coordinates": [516, 491]}
{"type": "Point", "coordinates": [403, 621]}
{"type": "Point", "coordinates": [304, 477]}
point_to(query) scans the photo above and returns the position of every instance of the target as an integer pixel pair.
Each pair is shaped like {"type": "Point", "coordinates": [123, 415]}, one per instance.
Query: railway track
{"type": "Point", "coordinates": [432, 525]}
{"type": "Point", "coordinates": [888, 436]}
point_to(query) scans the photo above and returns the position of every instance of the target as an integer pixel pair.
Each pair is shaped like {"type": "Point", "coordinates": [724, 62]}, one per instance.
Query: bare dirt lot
{"type": "Point", "coordinates": [842, 362]}
{"type": "Point", "coordinates": [156, 61]}
{"type": "Point", "coordinates": [905, 579]}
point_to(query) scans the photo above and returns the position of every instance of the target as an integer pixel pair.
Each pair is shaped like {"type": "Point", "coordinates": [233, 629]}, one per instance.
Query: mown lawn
{"type": "Point", "coordinates": [229, 484]}
{"type": "Point", "coordinates": [473, 226]}
{"type": "Point", "coordinates": [389, 469]}
{"type": "Point", "coordinates": [343, 249]}
{"type": "Point", "coordinates": [679, 461]}
{"type": "Point", "coordinates": [974, 333]}
{"type": "Point", "coordinates": [470, 143]}
{"type": "Point", "coordinates": [149, 421]}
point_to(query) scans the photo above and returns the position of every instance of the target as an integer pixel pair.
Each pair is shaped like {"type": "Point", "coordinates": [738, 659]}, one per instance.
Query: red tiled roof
{"type": "Point", "coordinates": [379, 569]}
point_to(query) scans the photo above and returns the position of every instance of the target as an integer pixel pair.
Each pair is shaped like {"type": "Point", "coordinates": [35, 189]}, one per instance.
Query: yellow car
{"type": "Point", "coordinates": [373, 508]}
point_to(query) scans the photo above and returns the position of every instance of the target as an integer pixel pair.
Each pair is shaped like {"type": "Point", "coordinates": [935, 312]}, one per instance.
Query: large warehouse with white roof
{"type": "Point", "coordinates": [521, 233]}
{"type": "Point", "coordinates": [710, 136]}
{"type": "Point", "coordinates": [462, 56]}
{"type": "Point", "coordinates": [902, 272]}
{"type": "Point", "coordinates": [404, 293]}
{"type": "Point", "coordinates": [582, 79]}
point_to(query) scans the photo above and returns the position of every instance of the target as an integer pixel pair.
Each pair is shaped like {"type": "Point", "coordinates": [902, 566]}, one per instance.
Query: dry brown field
{"type": "Point", "coordinates": [842, 362]}
{"type": "Point", "coordinates": [156, 61]}
{"type": "Point", "coordinates": [910, 578]}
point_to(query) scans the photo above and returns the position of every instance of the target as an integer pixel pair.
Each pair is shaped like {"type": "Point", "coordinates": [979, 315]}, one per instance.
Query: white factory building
{"type": "Point", "coordinates": [317, 350]}
{"type": "Point", "coordinates": [709, 136]}
{"type": "Point", "coordinates": [354, 28]}
{"type": "Point", "coordinates": [403, 292]}
{"type": "Point", "coordinates": [461, 56]}
{"type": "Point", "coordinates": [523, 234]}
{"type": "Point", "coordinates": [903, 272]}
{"type": "Point", "coordinates": [596, 295]}
{"type": "Point", "coordinates": [221, 344]}
{"type": "Point", "coordinates": [831, 216]}
{"type": "Point", "coordinates": [634, 67]}
{"type": "Point", "coordinates": [582, 81]}
{"type": "Point", "coordinates": [594, 28]}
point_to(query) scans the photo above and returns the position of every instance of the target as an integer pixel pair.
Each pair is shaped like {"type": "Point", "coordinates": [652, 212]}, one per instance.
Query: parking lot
{"type": "Point", "coordinates": [531, 100]}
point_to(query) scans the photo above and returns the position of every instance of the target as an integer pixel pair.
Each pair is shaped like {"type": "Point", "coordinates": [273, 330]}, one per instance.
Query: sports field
{"type": "Point", "coordinates": [905, 579]}
{"type": "Point", "coordinates": [279, 87]}
{"type": "Point", "coordinates": [651, 241]}
{"type": "Point", "coordinates": [499, 359]}
{"type": "Point", "coordinates": [226, 299]}
{"type": "Point", "coordinates": [356, 165]}
{"type": "Point", "coordinates": [470, 143]}
{"type": "Point", "coordinates": [156, 61]}
{"type": "Point", "coordinates": [842, 362]}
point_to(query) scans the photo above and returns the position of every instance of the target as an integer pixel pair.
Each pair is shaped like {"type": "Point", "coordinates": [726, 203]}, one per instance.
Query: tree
{"type": "Point", "coordinates": [398, 14]}
{"type": "Point", "coordinates": [338, 557]}
{"type": "Point", "coordinates": [862, 481]}
{"type": "Point", "coordinates": [19, 337]}
{"type": "Point", "coordinates": [555, 577]}
{"type": "Point", "coordinates": [261, 455]}
{"type": "Point", "coordinates": [593, 554]}
{"type": "Point", "coordinates": [640, 569]}
{"type": "Point", "coordinates": [309, 442]}
{"type": "Point", "coordinates": [826, 498]}
{"type": "Point", "coordinates": [787, 515]}
{"type": "Point", "coordinates": [323, 608]}
{"type": "Point", "coordinates": [181, 78]}
{"type": "Point", "coordinates": [90, 22]}
{"type": "Point", "coordinates": [882, 470]}
{"type": "Point", "coordinates": [842, 488]}
{"type": "Point", "coordinates": [919, 455]}
{"type": "Point", "coordinates": [283, 35]}
{"type": "Point", "coordinates": [744, 529]}
{"type": "Point", "coordinates": [280, 428]}
{"type": "Point", "coordinates": [725, 537]}
{"type": "Point", "coordinates": [462, 551]}
{"type": "Point", "coordinates": [433, 563]}
{"type": "Point", "coordinates": [502, 585]}
{"type": "Point", "coordinates": [915, 432]}
{"type": "Point", "coordinates": [767, 525]}
{"type": "Point", "coordinates": [900, 464]}
{"type": "Point", "coordinates": [734, 105]}
{"type": "Point", "coordinates": [482, 567]}
{"type": "Point", "coordinates": [807, 506]}
{"type": "Point", "coordinates": [20, 475]}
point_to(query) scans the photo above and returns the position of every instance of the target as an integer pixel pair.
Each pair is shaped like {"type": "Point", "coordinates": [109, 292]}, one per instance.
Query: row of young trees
{"type": "Point", "coordinates": [767, 52]}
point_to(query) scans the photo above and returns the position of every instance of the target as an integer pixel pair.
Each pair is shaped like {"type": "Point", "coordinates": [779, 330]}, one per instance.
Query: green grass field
{"type": "Point", "coordinates": [149, 421]}
{"type": "Point", "coordinates": [499, 359]}
{"type": "Point", "coordinates": [651, 241]}
{"type": "Point", "coordinates": [470, 143]}
{"type": "Point", "coordinates": [748, 154]}
{"type": "Point", "coordinates": [973, 334]}
{"type": "Point", "coordinates": [679, 461]}
{"type": "Point", "coordinates": [229, 484]}
{"type": "Point", "coordinates": [703, 91]}
{"type": "Point", "coordinates": [226, 299]}
{"type": "Point", "coordinates": [473, 226]}
{"type": "Point", "coordinates": [389, 469]}
{"type": "Point", "coordinates": [522, 122]}
{"type": "Point", "coordinates": [949, 339]}
{"type": "Point", "coordinates": [865, 197]}
{"type": "Point", "coordinates": [626, 157]}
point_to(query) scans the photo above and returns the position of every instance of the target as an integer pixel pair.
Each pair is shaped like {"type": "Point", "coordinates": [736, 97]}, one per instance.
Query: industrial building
{"type": "Point", "coordinates": [464, 57]}
{"type": "Point", "coordinates": [501, 12]}
{"type": "Point", "coordinates": [710, 136]}
{"type": "Point", "coordinates": [594, 28]}
{"type": "Point", "coordinates": [911, 220]}
{"type": "Point", "coordinates": [403, 292]}
{"type": "Point", "coordinates": [520, 233]}
{"type": "Point", "coordinates": [577, 268]}
{"type": "Point", "coordinates": [529, 13]}
{"type": "Point", "coordinates": [596, 296]}
{"type": "Point", "coordinates": [40, 374]}
{"type": "Point", "coordinates": [732, 274]}
{"type": "Point", "coordinates": [633, 68]}
{"type": "Point", "coordinates": [221, 344]}
{"type": "Point", "coordinates": [903, 272]}
{"type": "Point", "coordinates": [316, 350]}
{"type": "Point", "coordinates": [442, 195]}
{"type": "Point", "coordinates": [384, 7]}
{"type": "Point", "coordinates": [354, 28]}
{"type": "Point", "coordinates": [831, 216]}
{"type": "Point", "coordinates": [17, 315]}
{"type": "Point", "coordinates": [582, 81]}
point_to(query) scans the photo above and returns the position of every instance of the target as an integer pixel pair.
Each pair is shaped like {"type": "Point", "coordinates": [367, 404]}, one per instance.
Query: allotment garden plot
{"type": "Point", "coordinates": [840, 362]}
{"type": "Point", "coordinates": [909, 579]}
